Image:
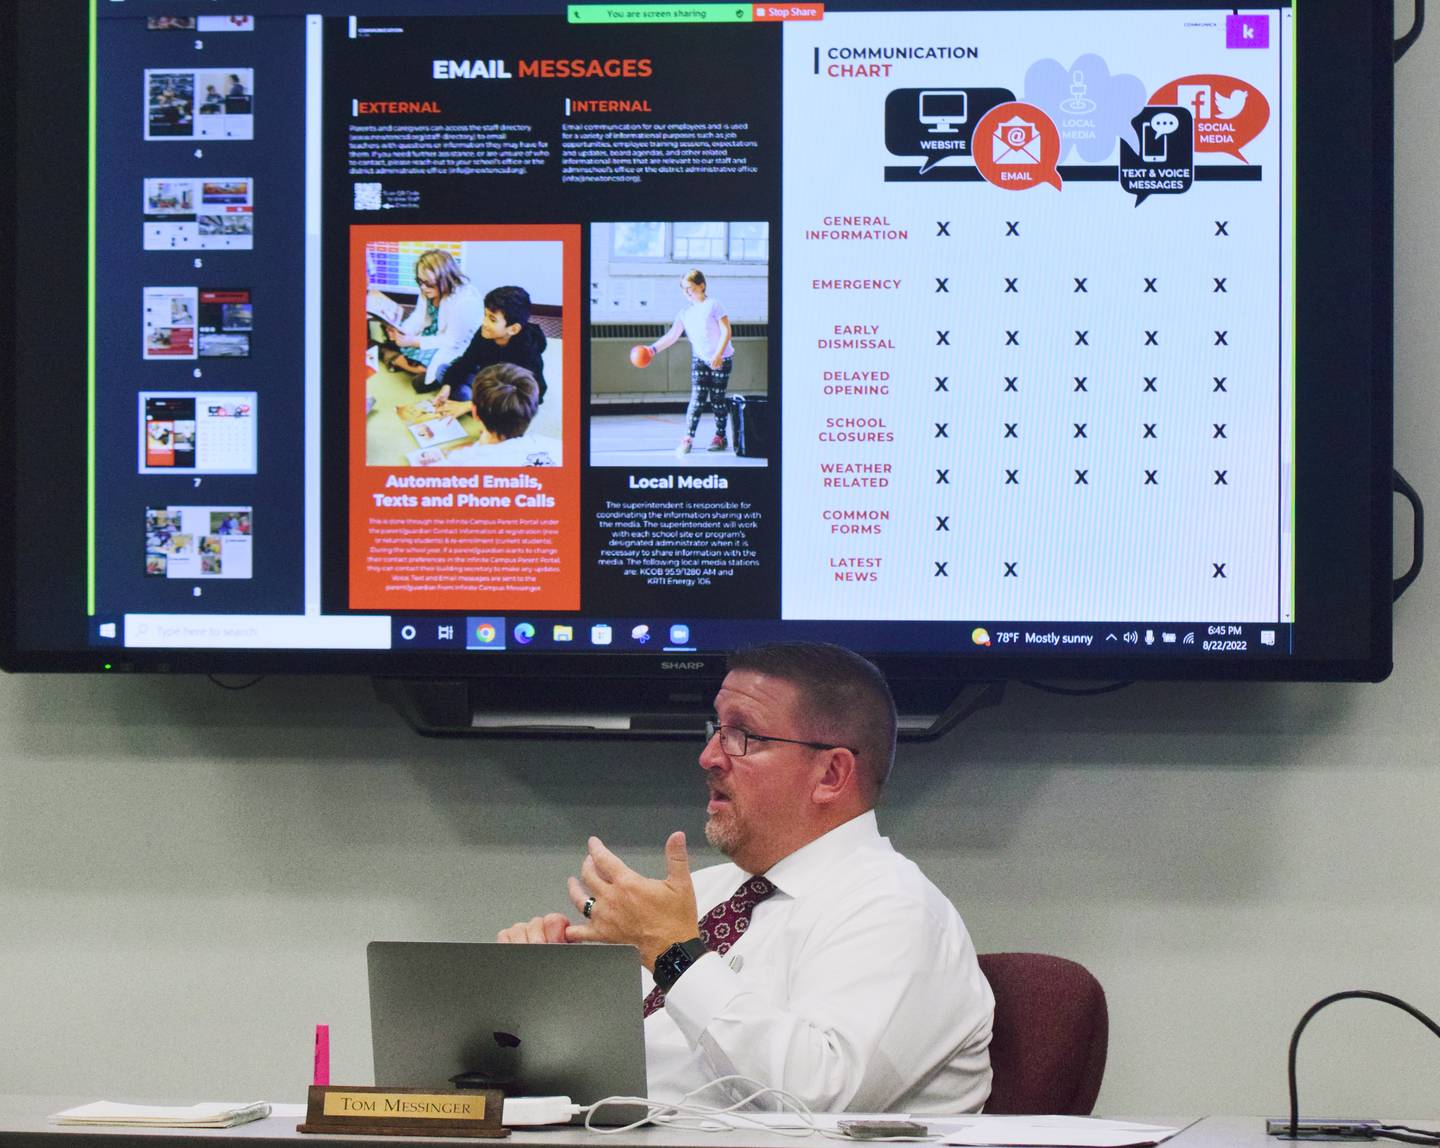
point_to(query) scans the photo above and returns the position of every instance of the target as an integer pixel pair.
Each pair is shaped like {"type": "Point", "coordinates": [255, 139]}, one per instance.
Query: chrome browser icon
{"type": "Point", "coordinates": [484, 633]}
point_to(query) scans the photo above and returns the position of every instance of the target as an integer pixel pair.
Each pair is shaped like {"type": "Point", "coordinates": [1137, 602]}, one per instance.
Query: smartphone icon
{"type": "Point", "coordinates": [1152, 145]}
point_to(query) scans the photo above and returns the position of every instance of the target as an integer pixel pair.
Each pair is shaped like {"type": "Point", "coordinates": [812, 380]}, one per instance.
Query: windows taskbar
{"type": "Point", "coordinates": [551, 634]}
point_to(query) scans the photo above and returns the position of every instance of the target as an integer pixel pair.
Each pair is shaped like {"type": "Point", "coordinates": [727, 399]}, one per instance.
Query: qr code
{"type": "Point", "coordinates": [367, 196]}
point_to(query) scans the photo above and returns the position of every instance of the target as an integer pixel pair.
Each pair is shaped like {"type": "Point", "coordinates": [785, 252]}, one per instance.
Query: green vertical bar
{"type": "Point", "coordinates": [90, 211]}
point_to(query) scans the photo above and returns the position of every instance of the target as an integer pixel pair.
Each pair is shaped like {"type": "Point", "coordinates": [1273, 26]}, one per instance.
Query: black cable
{"type": "Point", "coordinates": [1406, 41]}
{"type": "Point", "coordinates": [242, 686]}
{"type": "Point", "coordinates": [1406, 1128]}
{"type": "Point", "coordinates": [1407, 1138]}
{"type": "Point", "coordinates": [1365, 994]}
{"type": "Point", "coordinates": [1078, 692]}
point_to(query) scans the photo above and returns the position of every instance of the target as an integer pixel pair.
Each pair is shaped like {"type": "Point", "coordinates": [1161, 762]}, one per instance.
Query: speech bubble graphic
{"type": "Point", "coordinates": [1228, 113]}
{"type": "Point", "coordinates": [1164, 123]}
{"type": "Point", "coordinates": [1017, 146]}
{"type": "Point", "coordinates": [1089, 105]}
{"type": "Point", "coordinates": [937, 123]}
{"type": "Point", "coordinates": [1165, 162]}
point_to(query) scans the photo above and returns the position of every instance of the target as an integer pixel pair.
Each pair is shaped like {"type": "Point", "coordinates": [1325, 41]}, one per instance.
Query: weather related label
{"type": "Point", "coordinates": [1038, 322]}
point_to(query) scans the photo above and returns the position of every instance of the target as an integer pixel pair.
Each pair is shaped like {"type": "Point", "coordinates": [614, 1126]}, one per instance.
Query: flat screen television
{"type": "Point", "coordinates": [543, 353]}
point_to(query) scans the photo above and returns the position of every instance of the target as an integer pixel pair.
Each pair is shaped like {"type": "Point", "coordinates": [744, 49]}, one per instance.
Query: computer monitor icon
{"type": "Point", "coordinates": [943, 108]}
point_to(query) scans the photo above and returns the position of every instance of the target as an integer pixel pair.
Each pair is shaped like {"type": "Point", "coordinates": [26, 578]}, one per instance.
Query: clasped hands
{"type": "Point", "coordinates": [628, 909]}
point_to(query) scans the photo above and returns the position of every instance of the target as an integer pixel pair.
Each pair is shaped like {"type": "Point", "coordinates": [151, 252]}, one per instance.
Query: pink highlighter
{"type": "Point", "coordinates": [322, 1055]}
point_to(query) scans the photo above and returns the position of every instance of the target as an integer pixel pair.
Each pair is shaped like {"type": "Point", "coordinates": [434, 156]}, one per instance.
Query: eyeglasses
{"type": "Point", "coordinates": [735, 740]}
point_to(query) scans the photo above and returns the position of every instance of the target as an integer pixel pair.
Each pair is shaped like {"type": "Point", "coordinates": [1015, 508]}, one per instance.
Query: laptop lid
{"type": "Point", "coordinates": [537, 1020]}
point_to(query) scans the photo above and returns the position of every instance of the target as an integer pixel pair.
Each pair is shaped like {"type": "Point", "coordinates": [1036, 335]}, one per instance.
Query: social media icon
{"type": "Point", "coordinates": [524, 633]}
{"type": "Point", "coordinates": [563, 633]}
{"type": "Point", "coordinates": [640, 633]}
{"type": "Point", "coordinates": [601, 634]}
{"type": "Point", "coordinates": [679, 634]}
{"type": "Point", "coordinates": [484, 633]}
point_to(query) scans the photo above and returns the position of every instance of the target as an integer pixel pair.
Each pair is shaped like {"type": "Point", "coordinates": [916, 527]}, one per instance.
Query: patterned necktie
{"type": "Point", "coordinates": [724, 925]}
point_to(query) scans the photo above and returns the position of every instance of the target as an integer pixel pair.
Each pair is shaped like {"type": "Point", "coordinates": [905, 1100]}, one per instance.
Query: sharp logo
{"type": "Point", "coordinates": [682, 665]}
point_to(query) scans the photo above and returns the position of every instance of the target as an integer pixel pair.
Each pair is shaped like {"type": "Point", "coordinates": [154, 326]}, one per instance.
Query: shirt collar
{"type": "Point", "coordinates": [804, 869]}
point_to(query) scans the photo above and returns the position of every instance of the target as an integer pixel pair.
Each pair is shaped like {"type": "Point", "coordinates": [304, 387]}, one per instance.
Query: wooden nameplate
{"type": "Point", "coordinates": [405, 1111]}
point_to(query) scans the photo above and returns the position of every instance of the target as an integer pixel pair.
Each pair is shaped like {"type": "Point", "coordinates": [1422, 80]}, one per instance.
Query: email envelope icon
{"type": "Point", "coordinates": [1016, 141]}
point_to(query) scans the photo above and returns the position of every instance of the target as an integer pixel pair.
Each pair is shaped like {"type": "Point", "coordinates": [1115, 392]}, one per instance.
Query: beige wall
{"type": "Point", "coordinates": [188, 876]}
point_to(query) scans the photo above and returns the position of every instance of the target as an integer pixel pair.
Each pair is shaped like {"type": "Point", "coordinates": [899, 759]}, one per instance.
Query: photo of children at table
{"type": "Point", "coordinates": [453, 408]}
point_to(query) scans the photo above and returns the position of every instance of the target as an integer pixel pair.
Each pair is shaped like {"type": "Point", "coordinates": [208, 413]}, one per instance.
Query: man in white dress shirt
{"type": "Point", "coordinates": [854, 984]}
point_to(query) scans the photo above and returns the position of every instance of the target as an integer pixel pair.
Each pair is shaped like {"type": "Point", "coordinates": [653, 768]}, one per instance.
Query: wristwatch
{"type": "Point", "coordinates": [675, 960]}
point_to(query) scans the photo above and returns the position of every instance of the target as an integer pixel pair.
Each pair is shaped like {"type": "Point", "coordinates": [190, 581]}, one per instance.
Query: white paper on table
{"type": "Point", "coordinates": [1047, 1131]}
{"type": "Point", "coordinates": [215, 1114]}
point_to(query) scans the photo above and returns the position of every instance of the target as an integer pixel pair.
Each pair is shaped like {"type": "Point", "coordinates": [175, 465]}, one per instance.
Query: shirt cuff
{"type": "Point", "coordinates": [705, 989]}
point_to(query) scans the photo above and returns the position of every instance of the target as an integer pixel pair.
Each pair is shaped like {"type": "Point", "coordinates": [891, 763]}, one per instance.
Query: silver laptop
{"type": "Point", "coordinates": [534, 1020]}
